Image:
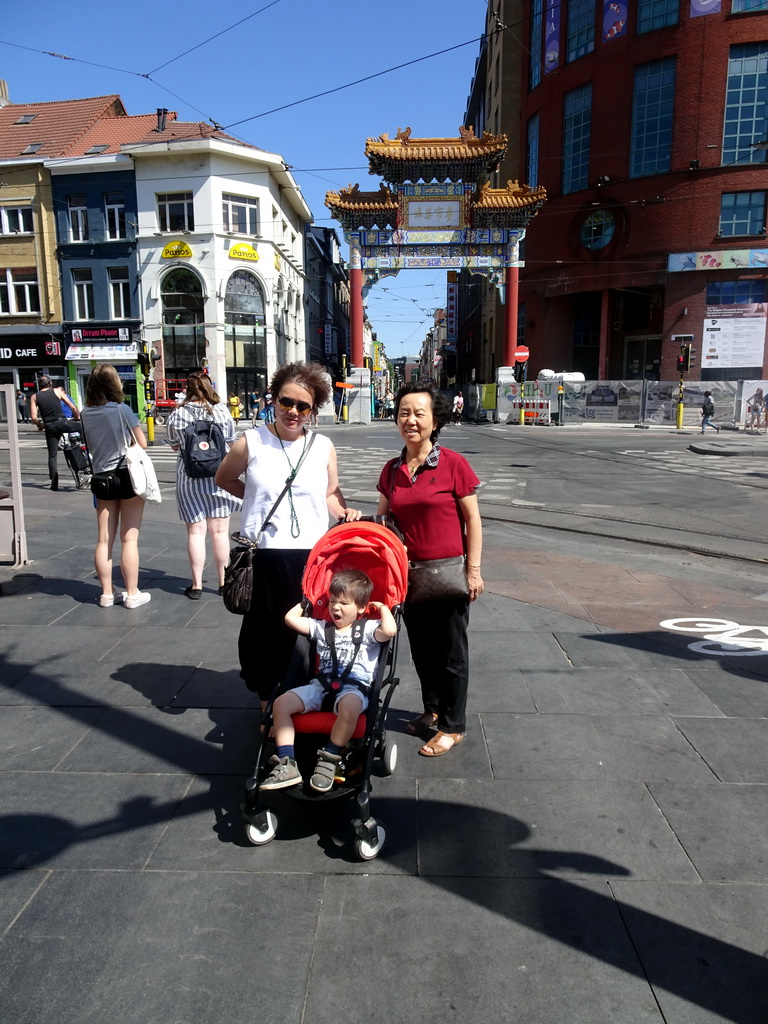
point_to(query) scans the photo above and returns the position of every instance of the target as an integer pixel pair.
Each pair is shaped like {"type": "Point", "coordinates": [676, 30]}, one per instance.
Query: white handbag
{"type": "Point", "coordinates": [142, 474]}
{"type": "Point", "coordinates": [141, 471]}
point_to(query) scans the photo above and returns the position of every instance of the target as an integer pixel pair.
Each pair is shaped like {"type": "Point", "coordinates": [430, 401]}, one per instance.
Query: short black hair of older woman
{"type": "Point", "coordinates": [310, 376]}
{"type": "Point", "coordinates": [442, 410]}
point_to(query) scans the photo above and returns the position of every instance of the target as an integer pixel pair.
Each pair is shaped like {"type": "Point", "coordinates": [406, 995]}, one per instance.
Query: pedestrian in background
{"type": "Point", "coordinates": [458, 408]}
{"type": "Point", "coordinates": [23, 408]}
{"type": "Point", "coordinates": [707, 412]}
{"type": "Point", "coordinates": [234, 406]}
{"type": "Point", "coordinates": [46, 412]}
{"type": "Point", "coordinates": [754, 411]}
{"type": "Point", "coordinates": [110, 427]}
{"type": "Point", "coordinates": [202, 505]}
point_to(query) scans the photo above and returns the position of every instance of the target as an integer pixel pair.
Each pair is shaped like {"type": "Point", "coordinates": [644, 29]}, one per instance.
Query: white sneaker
{"type": "Point", "coordinates": [137, 600]}
{"type": "Point", "coordinates": [107, 600]}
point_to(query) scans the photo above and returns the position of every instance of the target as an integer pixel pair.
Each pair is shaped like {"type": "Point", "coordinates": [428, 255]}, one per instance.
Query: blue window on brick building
{"type": "Point", "coordinates": [742, 213]}
{"type": "Point", "coordinates": [653, 102]}
{"type": "Point", "coordinates": [580, 38]}
{"type": "Point", "coordinates": [532, 151]}
{"type": "Point", "coordinates": [652, 14]}
{"type": "Point", "coordinates": [746, 105]}
{"type": "Point", "coordinates": [577, 120]}
{"type": "Point", "coordinates": [537, 28]}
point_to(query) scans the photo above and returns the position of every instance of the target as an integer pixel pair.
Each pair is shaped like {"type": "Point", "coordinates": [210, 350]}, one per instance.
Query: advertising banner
{"type": "Point", "coordinates": [733, 336]}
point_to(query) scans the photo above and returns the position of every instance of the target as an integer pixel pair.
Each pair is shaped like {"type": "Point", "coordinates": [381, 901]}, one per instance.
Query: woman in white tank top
{"type": "Point", "coordinates": [265, 457]}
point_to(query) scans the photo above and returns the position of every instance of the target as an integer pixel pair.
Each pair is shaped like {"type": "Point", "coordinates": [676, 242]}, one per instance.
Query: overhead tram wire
{"type": "Point", "coordinates": [211, 38]}
{"type": "Point", "coordinates": [359, 81]}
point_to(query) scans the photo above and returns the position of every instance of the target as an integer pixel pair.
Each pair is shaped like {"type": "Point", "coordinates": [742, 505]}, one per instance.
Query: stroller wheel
{"type": "Point", "coordinates": [265, 834]}
{"type": "Point", "coordinates": [365, 850]}
{"type": "Point", "coordinates": [389, 757]}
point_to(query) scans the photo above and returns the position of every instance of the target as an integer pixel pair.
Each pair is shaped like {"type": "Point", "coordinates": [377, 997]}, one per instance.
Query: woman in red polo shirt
{"type": "Point", "coordinates": [430, 492]}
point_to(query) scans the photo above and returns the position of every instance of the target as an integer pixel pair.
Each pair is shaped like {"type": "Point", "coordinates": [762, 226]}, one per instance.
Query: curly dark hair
{"type": "Point", "coordinates": [310, 376]}
{"type": "Point", "coordinates": [441, 407]}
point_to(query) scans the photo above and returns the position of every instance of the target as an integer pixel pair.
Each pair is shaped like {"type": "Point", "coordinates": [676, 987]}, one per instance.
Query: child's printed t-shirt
{"type": "Point", "coordinates": [364, 668]}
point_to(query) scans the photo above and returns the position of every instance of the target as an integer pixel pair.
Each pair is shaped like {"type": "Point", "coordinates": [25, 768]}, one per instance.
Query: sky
{"type": "Point", "coordinates": [236, 65]}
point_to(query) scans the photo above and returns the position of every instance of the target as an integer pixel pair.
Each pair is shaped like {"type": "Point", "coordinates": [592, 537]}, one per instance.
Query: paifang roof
{"type": "Point", "coordinates": [351, 198]}
{"type": "Point", "coordinates": [514, 197]}
{"type": "Point", "coordinates": [467, 147]}
{"type": "Point", "coordinates": [53, 127]}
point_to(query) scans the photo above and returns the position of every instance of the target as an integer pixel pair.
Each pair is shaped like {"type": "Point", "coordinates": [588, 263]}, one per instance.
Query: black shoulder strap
{"type": "Point", "coordinates": [358, 632]}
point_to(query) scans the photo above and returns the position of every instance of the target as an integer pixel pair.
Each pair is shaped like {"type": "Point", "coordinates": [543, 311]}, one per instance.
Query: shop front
{"type": "Point", "coordinates": [24, 356]}
{"type": "Point", "coordinates": [104, 343]}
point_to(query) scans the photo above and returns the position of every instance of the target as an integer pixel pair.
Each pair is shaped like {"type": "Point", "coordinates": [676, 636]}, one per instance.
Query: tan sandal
{"type": "Point", "coordinates": [438, 745]}
{"type": "Point", "coordinates": [421, 724]}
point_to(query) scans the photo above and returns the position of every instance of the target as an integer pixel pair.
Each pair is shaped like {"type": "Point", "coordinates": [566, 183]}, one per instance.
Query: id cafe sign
{"type": "Point", "coordinates": [176, 250]}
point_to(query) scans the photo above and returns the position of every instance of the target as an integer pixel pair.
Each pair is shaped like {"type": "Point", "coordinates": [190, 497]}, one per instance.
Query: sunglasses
{"type": "Point", "coordinates": [302, 408]}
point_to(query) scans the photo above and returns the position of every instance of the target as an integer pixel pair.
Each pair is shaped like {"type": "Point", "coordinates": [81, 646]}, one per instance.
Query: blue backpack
{"type": "Point", "coordinates": [204, 448]}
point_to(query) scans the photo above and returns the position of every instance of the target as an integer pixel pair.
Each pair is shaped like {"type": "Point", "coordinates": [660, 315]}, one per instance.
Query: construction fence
{"type": "Point", "coordinates": [645, 402]}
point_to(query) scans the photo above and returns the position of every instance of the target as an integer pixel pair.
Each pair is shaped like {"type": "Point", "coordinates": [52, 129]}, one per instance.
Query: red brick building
{"type": "Point", "coordinates": [647, 123]}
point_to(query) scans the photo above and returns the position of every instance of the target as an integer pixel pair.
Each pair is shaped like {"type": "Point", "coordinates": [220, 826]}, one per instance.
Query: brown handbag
{"type": "Point", "coordinates": [439, 579]}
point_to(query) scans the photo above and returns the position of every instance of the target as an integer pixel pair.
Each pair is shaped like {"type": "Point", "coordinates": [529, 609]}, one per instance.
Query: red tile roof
{"type": "Point", "coordinates": [58, 125]}
{"type": "Point", "coordinates": [72, 127]}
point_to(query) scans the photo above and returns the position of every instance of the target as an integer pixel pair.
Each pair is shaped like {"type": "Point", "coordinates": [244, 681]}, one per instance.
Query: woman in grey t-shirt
{"type": "Point", "coordinates": [110, 426]}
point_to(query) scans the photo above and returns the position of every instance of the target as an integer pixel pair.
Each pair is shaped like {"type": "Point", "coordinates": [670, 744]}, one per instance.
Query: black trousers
{"type": "Point", "coordinates": [53, 431]}
{"type": "Point", "coordinates": [437, 633]}
{"type": "Point", "coordinates": [265, 644]}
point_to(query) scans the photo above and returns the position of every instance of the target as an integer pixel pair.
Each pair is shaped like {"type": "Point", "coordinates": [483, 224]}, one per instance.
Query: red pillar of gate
{"type": "Point", "coordinates": [510, 319]}
{"type": "Point", "coordinates": [356, 315]}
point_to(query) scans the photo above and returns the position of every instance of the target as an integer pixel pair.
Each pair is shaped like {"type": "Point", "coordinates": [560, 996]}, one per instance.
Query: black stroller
{"type": "Point", "coordinates": [377, 551]}
{"type": "Point", "coordinates": [76, 456]}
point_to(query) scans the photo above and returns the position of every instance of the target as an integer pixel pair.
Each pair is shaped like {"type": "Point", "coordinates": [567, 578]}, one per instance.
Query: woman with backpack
{"type": "Point", "coordinates": [201, 429]}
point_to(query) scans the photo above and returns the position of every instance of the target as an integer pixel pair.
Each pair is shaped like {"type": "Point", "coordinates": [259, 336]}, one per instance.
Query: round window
{"type": "Point", "coordinates": [597, 229]}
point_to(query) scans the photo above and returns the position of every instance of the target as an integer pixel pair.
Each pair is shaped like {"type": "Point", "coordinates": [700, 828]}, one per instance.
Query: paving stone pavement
{"type": "Point", "coordinates": [595, 851]}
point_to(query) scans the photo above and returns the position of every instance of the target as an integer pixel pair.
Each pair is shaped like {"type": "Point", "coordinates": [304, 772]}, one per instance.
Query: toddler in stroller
{"type": "Point", "coordinates": [356, 569]}
{"type": "Point", "coordinates": [347, 651]}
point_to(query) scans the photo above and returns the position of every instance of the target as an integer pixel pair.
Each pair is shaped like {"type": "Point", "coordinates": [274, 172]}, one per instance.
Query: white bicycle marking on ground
{"type": "Point", "coordinates": [721, 637]}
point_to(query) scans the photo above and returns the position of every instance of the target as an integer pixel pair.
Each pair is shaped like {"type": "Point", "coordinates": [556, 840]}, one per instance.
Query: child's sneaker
{"type": "Point", "coordinates": [325, 771]}
{"type": "Point", "coordinates": [284, 773]}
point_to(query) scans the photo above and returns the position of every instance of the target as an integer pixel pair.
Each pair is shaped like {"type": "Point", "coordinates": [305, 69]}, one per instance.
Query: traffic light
{"type": "Point", "coordinates": [684, 359]}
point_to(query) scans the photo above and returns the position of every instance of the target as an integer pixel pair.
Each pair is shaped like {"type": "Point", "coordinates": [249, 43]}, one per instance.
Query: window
{"type": "Point", "coordinates": [176, 211]}
{"type": "Point", "coordinates": [18, 291]}
{"type": "Point", "coordinates": [576, 130]}
{"type": "Point", "coordinates": [16, 220]}
{"type": "Point", "coordinates": [78, 218]}
{"type": "Point", "coordinates": [120, 292]}
{"type": "Point", "coordinates": [735, 293]}
{"type": "Point", "coordinates": [653, 14]}
{"type": "Point", "coordinates": [532, 151]}
{"type": "Point", "coordinates": [537, 29]}
{"type": "Point", "coordinates": [26, 119]}
{"type": "Point", "coordinates": [241, 214]}
{"type": "Point", "coordinates": [653, 102]}
{"type": "Point", "coordinates": [746, 104]}
{"type": "Point", "coordinates": [97, 149]}
{"type": "Point", "coordinates": [114, 208]}
{"type": "Point", "coordinates": [741, 5]}
{"type": "Point", "coordinates": [581, 29]}
{"type": "Point", "coordinates": [742, 213]}
{"type": "Point", "coordinates": [597, 229]}
{"type": "Point", "coordinates": [82, 282]}
{"type": "Point", "coordinates": [31, 148]}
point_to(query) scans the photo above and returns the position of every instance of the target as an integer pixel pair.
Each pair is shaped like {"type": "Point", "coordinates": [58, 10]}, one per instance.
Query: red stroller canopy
{"type": "Point", "coordinates": [367, 547]}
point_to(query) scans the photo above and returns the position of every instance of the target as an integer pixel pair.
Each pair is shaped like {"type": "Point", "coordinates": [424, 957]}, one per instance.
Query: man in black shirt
{"type": "Point", "coordinates": [46, 410]}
